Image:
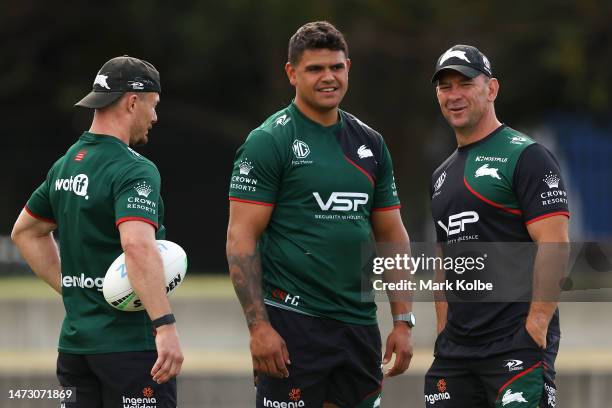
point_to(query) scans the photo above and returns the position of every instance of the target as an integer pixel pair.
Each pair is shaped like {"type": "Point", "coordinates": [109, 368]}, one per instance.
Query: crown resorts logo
{"type": "Point", "coordinates": [143, 189]}
{"type": "Point", "coordinates": [245, 167]}
{"type": "Point", "coordinates": [551, 180]}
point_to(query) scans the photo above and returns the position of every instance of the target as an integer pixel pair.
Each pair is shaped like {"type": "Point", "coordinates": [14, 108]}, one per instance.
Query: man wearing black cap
{"type": "Point", "coordinates": [498, 186]}
{"type": "Point", "coordinates": [104, 198]}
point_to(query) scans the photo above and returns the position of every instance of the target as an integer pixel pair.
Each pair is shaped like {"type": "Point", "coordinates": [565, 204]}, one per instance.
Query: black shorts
{"type": "Point", "coordinates": [331, 361]}
{"type": "Point", "coordinates": [114, 380]}
{"type": "Point", "coordinates": [521, 375]}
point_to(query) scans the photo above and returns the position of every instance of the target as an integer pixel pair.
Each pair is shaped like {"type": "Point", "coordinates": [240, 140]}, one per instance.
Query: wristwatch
{"type": "Point", "coordinates": [409, 318]}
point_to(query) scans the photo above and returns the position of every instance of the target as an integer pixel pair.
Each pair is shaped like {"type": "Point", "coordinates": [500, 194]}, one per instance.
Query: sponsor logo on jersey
{"type": "Point", "coordinates": [282, 120]}
{"type": "Point", "coordinates": [453, 53]}
{"type": "Point", "coordinates": [338, 201]}
{"type": "Point", "coordinates": [134, 152]}
{"type": "Point", "coordinates": [433, 398]}
{"type": "Point", "coordinates": [551, 393]}
{"type": "Point", "coordinates": [510, 397]}
{"type": "Point", "coordinates": [295, 394]}
{"type": "Point", "coordinates": [101, 80]}
{"type": "Point", "coordinates": [440, 181]}
{"type": "Point", "coordinates": [143, 189]}
{"type": "Point", "coordinates": [83, 282]}
{"type": "Point", "coordinates": [553, 195]}
{"type": "Point", "coordinates": [551, 180]}
{"type": "Point", "coordinates": [485, 170]}
{"type": "Point", "coordinates": [137, 203]}
{"type": "Point", "coordinates": [244, 183]}
{"type": "Point", "coordinates": [518, 140]}
{"type": "Point", "coordinates": [77, 184]}
{"type": "Point", "coordinates": [245, 166]}
{"type": "Point", "coordinates": [514, 365]}
{"type": "Point", "coordinates": [139, 402]}
{"type": "Point", "coordinates": [80, 155]}
{"type": "Point", "coordinates": [491, 159]}
{"type": "Point", "coordinates": [364, 152]}
{"type": "Point", "coordinates": [282, 404]}
{"type": "Point", "coordinates": [300, 149]}
{"type": "Point", "coordinates": [457, 222]}
{"type": "Point", "coordinates": [441, 385]}
{"type": "Point", "coordinates": [286, 297]}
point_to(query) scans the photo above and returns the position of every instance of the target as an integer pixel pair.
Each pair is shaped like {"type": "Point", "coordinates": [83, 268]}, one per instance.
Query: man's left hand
{"type": "Point", "coordinates": [537, 330]}
{"type": "Point", "coordinates": [400, 343]}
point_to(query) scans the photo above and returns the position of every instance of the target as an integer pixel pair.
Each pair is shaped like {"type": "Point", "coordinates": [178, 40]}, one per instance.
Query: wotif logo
{"type": "Point", "coordinates": [77, 184]}
{"type": "Point", "coordinates": [83, 282]}
{"type": "Point", "coordinates": [341, 201]}
{"type": "Point", "coordinates": [283, 404]}
{"type": "Point", "coordinates": [457, 222]}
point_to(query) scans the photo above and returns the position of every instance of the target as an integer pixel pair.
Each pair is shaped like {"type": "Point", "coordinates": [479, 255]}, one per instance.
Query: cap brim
{"type": "Point", "coordinates": [462, 69]}
{"type": "Point", "coordinates": [98, 100]}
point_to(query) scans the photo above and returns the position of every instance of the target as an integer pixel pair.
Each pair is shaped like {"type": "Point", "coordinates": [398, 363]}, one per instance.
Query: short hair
{"type": "Point", "coordinates": [316, 35]}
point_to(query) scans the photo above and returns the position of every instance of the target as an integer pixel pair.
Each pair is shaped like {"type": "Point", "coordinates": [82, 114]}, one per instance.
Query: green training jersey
{"type": "Point", "coordinates": [99, 183]}
{"type": "Point", "coordinates": [324, 183]}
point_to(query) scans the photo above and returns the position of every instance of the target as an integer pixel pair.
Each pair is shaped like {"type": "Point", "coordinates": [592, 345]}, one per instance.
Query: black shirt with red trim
{"type": "Point", "coordinates": [488, 192]}
{"type": "Point", "coordinates": [99, 183]}
{"type": "Point", "coordinates": [324, 184]}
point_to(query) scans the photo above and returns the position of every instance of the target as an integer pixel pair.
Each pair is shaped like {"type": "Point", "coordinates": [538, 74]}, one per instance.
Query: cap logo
{"type": "Point", "coordinates": [487, 64]}
{"type": "Point", "coordinates": [101, 80]}
{"type": "Point", "coordinates": [453, 53]}
{"type": "Point", "coordinates": [136, 85]}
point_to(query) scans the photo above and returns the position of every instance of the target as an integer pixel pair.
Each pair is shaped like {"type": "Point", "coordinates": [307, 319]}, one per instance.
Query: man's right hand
{"type": "Point", "coordinates": [268, 350]}
{"type": "Point", "coordinates": [169, 354]}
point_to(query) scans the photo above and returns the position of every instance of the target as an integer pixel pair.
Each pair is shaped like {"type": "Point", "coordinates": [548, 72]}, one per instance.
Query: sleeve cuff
{"type": "Point", "coordinates": [38, 217]}
{"type": "Point", "coordinates": [393, 207]}
{"type": "Point", "coordinates": [552, 214]}
{"type": "Point", "coordinates": [148, 221]}
{"type": "Point", "coordinates": [241, 200]}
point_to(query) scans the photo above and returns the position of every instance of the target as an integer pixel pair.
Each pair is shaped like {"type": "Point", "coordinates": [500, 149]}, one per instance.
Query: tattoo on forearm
{"type": "Point", "coordinates": [245, 272]}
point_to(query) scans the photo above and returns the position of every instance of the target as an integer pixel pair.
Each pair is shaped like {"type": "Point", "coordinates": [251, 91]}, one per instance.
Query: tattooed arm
{"type": "Point", "coordinates": [246, 224]}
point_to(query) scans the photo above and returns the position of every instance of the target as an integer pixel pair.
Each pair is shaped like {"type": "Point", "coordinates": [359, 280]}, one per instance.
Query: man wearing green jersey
{"type": "Point", "coordinates": [309, 188]}
{"type": "Point", "coordinates": [498, 186]}
{"type": "Point", "coordinates": [103, 198]}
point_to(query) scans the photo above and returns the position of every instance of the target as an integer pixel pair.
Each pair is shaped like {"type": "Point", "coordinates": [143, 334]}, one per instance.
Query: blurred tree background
{"type": "Point", "coordinates": [221, 65]}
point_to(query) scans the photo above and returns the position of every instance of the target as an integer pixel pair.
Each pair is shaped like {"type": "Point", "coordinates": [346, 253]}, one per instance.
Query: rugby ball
{"type": "Point", "coordinates": [117, 289]}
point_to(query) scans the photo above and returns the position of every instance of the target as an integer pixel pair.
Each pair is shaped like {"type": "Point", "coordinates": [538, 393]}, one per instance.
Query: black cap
{"type": "Point", "coordinates": [118, 76]}
{"type": "Point", "coordinates": [465, 59]}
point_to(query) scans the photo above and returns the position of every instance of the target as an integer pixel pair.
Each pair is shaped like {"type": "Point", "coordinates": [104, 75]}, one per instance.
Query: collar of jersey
{"type": "Point", "coordinates": [100, 138]}
{"type": "Point", "coordinates": [295, 110]}
{"type": "Point", "coordinates": [481, 141]}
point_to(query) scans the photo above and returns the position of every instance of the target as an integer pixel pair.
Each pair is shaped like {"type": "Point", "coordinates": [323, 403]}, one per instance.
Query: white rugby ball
{"type": "Point", "coordinates": [117, 289]}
